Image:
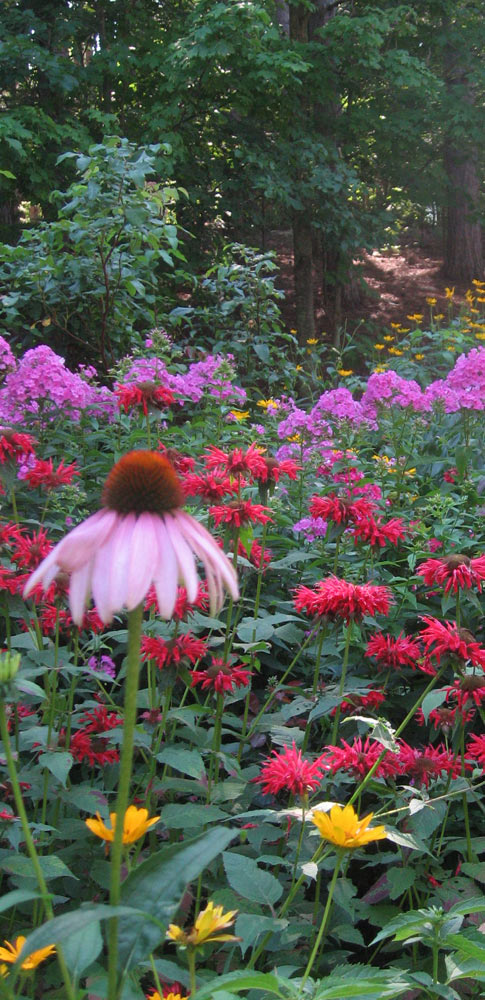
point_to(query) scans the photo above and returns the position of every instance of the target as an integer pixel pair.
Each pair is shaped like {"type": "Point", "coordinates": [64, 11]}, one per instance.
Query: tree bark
{"type": "Point", "coordinates": [302, 218]}
{"type": "Point", "coordinates": [463, 253]}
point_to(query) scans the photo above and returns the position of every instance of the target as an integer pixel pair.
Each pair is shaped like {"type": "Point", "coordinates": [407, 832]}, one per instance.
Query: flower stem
{"type": "Point", "coordinates": [342, 684]}
{"type": "Point", "coordinates": [191, 963]}
{"type": "Point", "coordinates": [135, 619]}
{"type": "Point", "coordinates": [29, 843]}
{"type": "Point", "coordinates": [323, 925]}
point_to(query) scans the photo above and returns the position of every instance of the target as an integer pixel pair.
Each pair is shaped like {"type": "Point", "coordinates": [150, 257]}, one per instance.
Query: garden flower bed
{"type": "Point", "coordinates": [253, 762]}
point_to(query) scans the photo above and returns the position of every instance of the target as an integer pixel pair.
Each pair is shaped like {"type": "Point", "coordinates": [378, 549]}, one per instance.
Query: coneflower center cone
{"type": "Point", "coordinates": [142, 482]}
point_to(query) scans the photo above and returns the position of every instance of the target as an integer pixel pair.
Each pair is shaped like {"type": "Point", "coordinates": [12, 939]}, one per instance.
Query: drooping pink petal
{"type": "Point", "coordinates": [79, 590]}
{"type": "Point", "coordinates": [144, 559]}
{"type": "Point", "coordinates": [166, 571]}
{"type": "Point", "coordinates": [185, 559]}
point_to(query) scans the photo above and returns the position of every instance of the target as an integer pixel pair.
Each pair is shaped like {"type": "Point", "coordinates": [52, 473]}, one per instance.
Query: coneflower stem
{"type": "Point", "coordinates": [135, 619]}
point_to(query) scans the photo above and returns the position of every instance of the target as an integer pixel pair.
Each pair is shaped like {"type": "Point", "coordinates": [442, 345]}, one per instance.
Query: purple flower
{"type": "Point", "coordinates": [102, 665]}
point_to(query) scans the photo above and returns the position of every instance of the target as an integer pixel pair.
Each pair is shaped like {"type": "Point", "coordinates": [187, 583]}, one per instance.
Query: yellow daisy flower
{"type": "Point", "coordinates": [345, 371]}
{"type": "Point", "coordinates": [431, 300]}
{"type": "Point", "coordinates": [239, 414]}
{"type": "Point", "coordinates": [209, 923]}
{"type": "Point", "coordinates": [135, 825]}
{"type": "Point", "coordinates": [11, 953]}
{"type": "Point", "coordinates": [389, 337]}
{"type": "Point", "coordinates": [449, 292]}
{"type": "Point", "coordinates": [312, 340]}
{"type": "Point", "coordinates": [419, 357]}
{"type": "Point", "coordinates": [343, 827]}
{"type": "Point", "coordinates": [267, 404]}
{"type": "Point", "coordinates": [380, 347]}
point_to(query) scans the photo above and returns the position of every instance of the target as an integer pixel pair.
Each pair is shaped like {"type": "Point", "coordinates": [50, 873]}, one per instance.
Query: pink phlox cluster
{"type": "Point", "coordinates": [311, 527]}
{"type": "Point", "coordinates": [42, 384]}
{"type": "Point", "coordinates": [211, 374]}
{"type": "Point", "coordinates": [339, 404]}
{"type": "Point", "coordinates": [7, 361]}
{"type": "Point", "coordinates": [464, 386]}
{"type": "Point", "coordinates": [388, 389]}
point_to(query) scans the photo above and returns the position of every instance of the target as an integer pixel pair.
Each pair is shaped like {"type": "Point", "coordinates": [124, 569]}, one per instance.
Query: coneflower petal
{"type": "Point", "coordinates": [79, 590]}
{"type": "Point", "coordinates": [144, 559]}
{"type": "Point", "coordinates": [118, 571]}
{"type": "Point", "coordinates": [185, 559]}
{"type": "Point", "coordinates": [166, 572]}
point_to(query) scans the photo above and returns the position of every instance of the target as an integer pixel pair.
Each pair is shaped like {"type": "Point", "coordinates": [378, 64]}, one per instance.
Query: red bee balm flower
{"type": "Point", "coordinates": [221, 676]}
{"type": "Point", "coordinates": [44, 474]}
{"type": "Point", "coordinates": [393, 653]}
{"type": "Point", "coordinates": [456, 572]}
{"type": "Point", "coordinates": [139, 538]}
{"type": "Point", "coordinates": [171, 653]}
{"type": "Point", "coordinates": [342, 510]}
{"type": "Point", "coordinates": [359, 757]}
{"type": "Point", "coordinates": [143, 394]}
{"type": "Point", "coordinates": [335, 598]}
{"type": "Point", "coordinates": [428, 763]}
{"type": "Point", "coordinates": [240, 512]}
{"type": "Point", "coordinates": [237, 462]}
{"type": "Point", "coordinates": [379, 532]}
{"type": "Point", "coordinates": [440, 638]}
{"type": "Point", "coordinates": [13, 445]}
{"type": "Point", "coordinates": [288, 771]}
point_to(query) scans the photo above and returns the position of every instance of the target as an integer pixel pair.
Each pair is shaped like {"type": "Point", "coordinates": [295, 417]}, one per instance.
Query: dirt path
{"type": "Point", "coordinates": [398, 282]}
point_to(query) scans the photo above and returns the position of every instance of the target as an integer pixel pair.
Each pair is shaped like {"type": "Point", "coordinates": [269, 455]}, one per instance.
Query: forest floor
{"type": "Point", "coordinates": [397, 283]}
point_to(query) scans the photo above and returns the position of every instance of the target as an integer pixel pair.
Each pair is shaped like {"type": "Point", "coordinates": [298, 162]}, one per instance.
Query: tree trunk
{"type": "Point", "coordinates": [463, 246]}
{"type": "Point", "coordinates": [302, 218]}
{"type": "Point", "coordinates": [463, 256]}
{"type": "Point", "coordinates": [303, 275]}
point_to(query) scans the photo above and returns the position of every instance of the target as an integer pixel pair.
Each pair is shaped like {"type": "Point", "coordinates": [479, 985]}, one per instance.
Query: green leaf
{"type": "Point", "coordinates": [187, 761]}
{"type": "Point", "coordinates": [82, 948]}
{"type": "Point", "coordinates": [16, 897]}
{"type": "Point", "coordinates": [249, 881]}
{"type": "Point", "coordinates": [190, 816]}
{"type": "Point", "coordinates": [61, 928]}
{"type": "Point", "coordinates": [51, 865]}
{"type": "Point", "coordinates": [250, 927]}
{"type": "Point", "coordinates": [59, 763]}
{"type": "Point", "coordinates": [157, 887]}
{"type": "Point", "coordinates": [400, 880]}
{"type": "Point", "coordinates": [234, 982]}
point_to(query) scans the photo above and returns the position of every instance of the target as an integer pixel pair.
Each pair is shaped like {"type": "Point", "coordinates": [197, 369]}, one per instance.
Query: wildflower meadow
{"type": "Point", "coordinates": [242, 685]}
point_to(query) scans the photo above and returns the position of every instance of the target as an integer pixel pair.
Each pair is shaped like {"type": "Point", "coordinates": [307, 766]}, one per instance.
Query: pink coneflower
{"type": "Point", "coordinates": [44, 474]}
{"type": "Point", "coordinates": [184, 648]}
{"type": "Point", "coordinates": [139, 537]}
{"type": "Point", "coordinates": [440, 638]}
{"type": "Point", "coordinates": [335, 598]}
{"type": "Point", "coordinates": [393, 653]}
{"type": "Point", "coordinates": [143, 394]}
{"type": "Point", "coordinates": [422, 765]}
{"type": "Point", "coordinates": [342, 510]}
{"type": "Point", "coordinates": [288, 771]}
{"type": "Point", "coordinates": [221, 676]}
{"type": "Point", "coordinates": [456, 572]}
